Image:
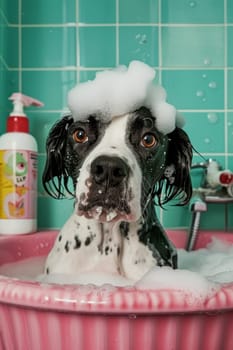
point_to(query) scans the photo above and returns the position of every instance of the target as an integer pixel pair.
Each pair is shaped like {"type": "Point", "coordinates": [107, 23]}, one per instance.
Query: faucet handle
{"type": "Point", "coordinates": [226, 178]}
{"type": "Point", "coordinates": [216, 177]}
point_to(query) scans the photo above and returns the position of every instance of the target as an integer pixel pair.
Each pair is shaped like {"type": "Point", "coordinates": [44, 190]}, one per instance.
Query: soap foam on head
{"type": "Point", "coordinates": [123, 90]}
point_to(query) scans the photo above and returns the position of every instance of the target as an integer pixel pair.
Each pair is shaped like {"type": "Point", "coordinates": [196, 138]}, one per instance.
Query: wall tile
{"type": "Point", "coordinates": [10, 52]}
{"type": "Point", "coordinates": [192, 11]}
{"type": "Point", "coordinates": [50, 87]}
{"type": "Point", "coordinates": [11, 11]}
{"type": "Point", "coordinates": [57, 43]}
{"type": "Point", "coordinates": [184, 41]}
{"type": "Point", "coordinates": [195, 89]}
{"type": "Point", "coordinates": [230, 89]}
{"type": "Point", "coordinates": [139, 11]}
{"type": "Point", "coordinates": [229, 11]}
{"type": "Point", "coordinates": [48, 12]}
{"type": "Point", "coordinates": [210, 136]}
{"type": "Point", "coordinates": [11, 85]}
{"type": "Point", "coordinates": [214, 217]}
{"type": "Point", "coordinates": [174, 216]}
{"type": "Point", "coordinates": [53, 213]}
{"type": "Point", "coordinates": [230, 133]}
{"type": "Point", "coordinates": [97, 46]}
{"type": "Point", "coordinates": [138, 43]}
{"type": "Point", "coordinates": [86, 75]}
{"type": "Point", "coordinates": [101, 11]}
{"type": "Point", "coordinates": [230, 216]}
{"type": "Point", "coordinates": [40, 124]}
{"type": "Point", "coordinates": [193, 47]}
{"type": "Point", "coordinates": [230, 46]}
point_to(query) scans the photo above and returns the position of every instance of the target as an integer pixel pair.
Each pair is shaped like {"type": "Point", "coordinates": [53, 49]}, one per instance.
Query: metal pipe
{"type": "Point", "coordinates": [193, 230]}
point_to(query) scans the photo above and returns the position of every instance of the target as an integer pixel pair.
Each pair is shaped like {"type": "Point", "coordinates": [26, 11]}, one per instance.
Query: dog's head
{"type": "Point", "coordinates": [118, 166]}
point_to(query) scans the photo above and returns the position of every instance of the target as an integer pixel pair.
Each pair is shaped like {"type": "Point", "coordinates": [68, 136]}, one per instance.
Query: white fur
{"type": "Point", "coordinates": [92, 259]}
{"type": "Point", "coordinates": [115, 137]}
{"type": "Point", "coordinates": [109, 251]}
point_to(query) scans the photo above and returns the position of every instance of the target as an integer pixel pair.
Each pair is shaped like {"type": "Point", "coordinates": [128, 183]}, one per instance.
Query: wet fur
{"type": "Point", "coordinates": [128, 248]}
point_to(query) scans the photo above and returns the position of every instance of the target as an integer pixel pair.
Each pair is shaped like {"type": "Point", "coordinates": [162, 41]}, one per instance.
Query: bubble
{"type": "Point", "coordinates": [212, 85]}
{"type": "Point", "coordinates": [204, 76]}
{"type": "Point", "coordinates": [207, 61]}
{"type": "Point", "coordinates": [192, 4]}
{"type": "Point", "coordinates": [204, 99]}
{"type": "Point", "coordinates": [229, 123]}
{"type": "Point", "coordinates": [199, 93]}
{"type": "Point", "coordinates": [142, 38]}
{"type": "Point", "coordinates": [207, 140]}
{"type": "Point", "coordinates": [212, 117]}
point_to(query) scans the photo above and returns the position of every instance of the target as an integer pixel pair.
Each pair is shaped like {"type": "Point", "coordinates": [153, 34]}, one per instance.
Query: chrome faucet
{"type": "Point", "coordinates": [216, 187]}
{"type": "Point", "coordinates": [217, 184]}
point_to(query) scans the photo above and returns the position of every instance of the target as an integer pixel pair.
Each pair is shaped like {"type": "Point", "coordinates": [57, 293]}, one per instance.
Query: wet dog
{"type": "Point", "coordinates": [119, 169]}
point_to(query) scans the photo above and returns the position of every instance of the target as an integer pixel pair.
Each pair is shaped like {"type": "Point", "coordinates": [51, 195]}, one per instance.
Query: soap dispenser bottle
{"type": "Point", "coordinates": [18, 171]}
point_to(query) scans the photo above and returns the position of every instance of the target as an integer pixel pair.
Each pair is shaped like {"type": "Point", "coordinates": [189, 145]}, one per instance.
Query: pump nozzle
{"type": "Point", "coordinates": [17, 120]}
{"type": "Point", "coordinates": [25, 100]}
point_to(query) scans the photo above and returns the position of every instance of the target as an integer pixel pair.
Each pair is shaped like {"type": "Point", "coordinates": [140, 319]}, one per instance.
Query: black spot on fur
{"type": "Point", "coordinates": [60, 238]}
{"type": "Point", "coordinates": [67, 246]}
{"type": "Point", "coordinates": [124, 228]}
{"type": "Point", "coordinates": [118, 251]}
{"type": "Point", "coordinates": [88, 241]}
{"type": "Point", "coordinates": [106, 250]}
{"type": "Point", "coordinates": [47, 271]}
{"type": "Point", "coordinates": [77, 242]}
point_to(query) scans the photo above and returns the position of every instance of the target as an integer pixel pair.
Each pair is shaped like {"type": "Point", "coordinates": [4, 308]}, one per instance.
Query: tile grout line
{"type": "Point", "coordinates": [20, 82]}
{"type": "Point", "coordinates": [126, 24]}
{"type": "Point", "coordinates": [117, 59]}
{"type": "Point", "coordinates": [160, 210]}
{"type": "Point", "coordinates": [61, 68]}
{"type": "Point", "coordinates": [225, 81]}
{"type": "Point", "coordinates": [77, 43]}
{"type": "Point", "coordinates": [159, 43]}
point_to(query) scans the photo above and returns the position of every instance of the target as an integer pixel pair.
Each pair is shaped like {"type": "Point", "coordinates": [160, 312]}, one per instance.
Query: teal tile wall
{"type": "Point", "coordinates": [46, 47]}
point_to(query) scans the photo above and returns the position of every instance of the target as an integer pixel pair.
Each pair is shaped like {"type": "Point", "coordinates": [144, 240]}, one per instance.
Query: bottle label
{"type": "Point", "coordinates": [18, 184]}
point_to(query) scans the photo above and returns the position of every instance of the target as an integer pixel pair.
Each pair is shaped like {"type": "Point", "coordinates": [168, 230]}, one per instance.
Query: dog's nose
{"type": "Point", "coordinates": [109, 170]}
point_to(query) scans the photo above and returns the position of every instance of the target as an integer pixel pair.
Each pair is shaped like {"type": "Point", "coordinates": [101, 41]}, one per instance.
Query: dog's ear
{"type": "Point", "coordinates": [177, 179]}
{"type": "Point", "coordinates": [55, 176]}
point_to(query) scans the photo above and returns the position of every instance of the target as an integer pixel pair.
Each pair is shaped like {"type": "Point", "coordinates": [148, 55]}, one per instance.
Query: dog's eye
{"type": "Point", "coordinates": [80, 136]}
{"type": "Point", "coordinates": [148, 140]}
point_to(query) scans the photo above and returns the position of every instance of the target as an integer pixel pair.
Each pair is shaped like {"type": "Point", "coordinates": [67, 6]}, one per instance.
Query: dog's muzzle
{"type": "Point", "coordinates": [108, 194]}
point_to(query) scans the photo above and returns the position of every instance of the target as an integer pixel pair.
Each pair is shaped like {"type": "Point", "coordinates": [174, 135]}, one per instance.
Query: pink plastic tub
{"type": "Point", "coordinates": [34, 316]}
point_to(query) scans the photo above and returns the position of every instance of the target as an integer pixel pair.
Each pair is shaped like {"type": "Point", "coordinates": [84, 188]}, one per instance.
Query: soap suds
{"type": "Point", "coordinates": [123, 90]}
{"type": "Point", "coordinates": [199, 275]}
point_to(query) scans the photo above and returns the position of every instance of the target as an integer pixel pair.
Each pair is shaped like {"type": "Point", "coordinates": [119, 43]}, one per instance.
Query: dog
{"type": "Point", "coordinates": [119, 169]}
